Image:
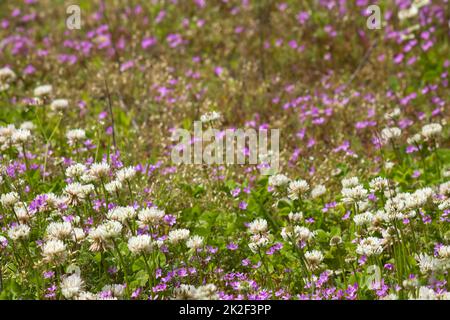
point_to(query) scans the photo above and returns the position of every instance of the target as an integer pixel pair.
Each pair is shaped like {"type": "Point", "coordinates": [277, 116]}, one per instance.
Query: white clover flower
{"type": "Point", "coordinates": [194, 242]}
{"type": "Point", "coordinates": [3, 242]}
{"type": "Point", "coordinates": [257, 226]}
{"type": "Point", "coordinates": [140, 244]}
{"type": "Point", "coordinates": [59, 104]}
{"type": "Point", "coordinates": [113, 186]}
{"type": "Point", "coordinates": [103, 234]}
{"type": "Point", "coordinates": [59, 230]}
{"type": "Point", "coordinates": [415, 139]}
{"type": "Point", "coordinates": [76, 170]}
{"type": "Point", "coordinates": [302, 234]}
{"type": "Point", "coordinates": [314, 258]}
{"type": "Point", "coordinates": [370, 246]}
{"type": "Point", "coordinates": [75, 135]}
{"type": "Point", "coordinates": [99, 170]}
{"type": "Point", "coordinates": [354, 194]}
{"type": "Point", "coordinates": [363, 205]}
{"type": "Point", "coordinates": [446, 173]}
{"type": "Point", "coordinates": [379, 184]}
{"type": "Point", "coordinates": [266, 157]}
{"type": "Point", "coordinates": [388, 165]}
{"type": "Point", "coordinates": [7, 75]}
{"type": "Point", "coordinates": [380, 216]}
{"type": "Point", "coordinates": [7, 131]}
{"type": "Point", "coordinates": [390, 296]}
{"type": "Point", "coordinates": [185, 292]}
{"type": "Point", "coordinates": [295, 216]}
{"type": "Point", "coordinates": [8, 200]}
{"type": "Point", "coordinates": [410, 12]}
{"type": "Point", "coordinates": [444, 252]}
{"type": "Point", "coordinates": [318, 191]}
{"type": "Point", "coordinates": [42, 91]}
{"type": "Point", "coordinates": [296, 188]}
{"type": "Point", "coordinates": [390, 115]}
{"type": "Point", "coordinates": [76, 192]}
{"type": "Point", "coordinates": [258, 241]}
{"type": "Point", "coordinates": [420, 197]}
{"type": "Point", "coordinates": [151, 216]}
{"type": "Point", "coordinates": [411, 283]}
{"type": "Point", "coordinates": [19, 232]}
{"type": "Point", "coordinates": [125, 174]}
{"type": "Point", "coordinates": [22, 212]}
{"type": "Point", "coordinates": [54, 251]}
{"type": "Point", "coordinates": [298, 234]}
{"type": "Point", "coordinates": [388, 134]}
{"type": "Point", "coordinates": [6, 134]}
{"type": "Point", "coordinates": [444, 188]}
{"type": "Point", "coordinates": [86, 295]}
{"type": "Point", "coordinates": [177, 235]}
{"type": "Point", "coordinates": [278, 180]}
{"type": "Point", "coordinates": [117, 290]}
{"type": "Point", "coordinates": [110, 229]}
{"type": "Point", "coordinates": [28, 125]}
{"type": "Point", "coordinates": [210, 116]}
{"type": "Point", "coordinates": [4, 86]}
{"type": "Point", "coordinates": [426, 294]}
{"type": "Point", "coordinates": [286, 233]}
{"type": "Point", "coordinates": [52, 201]}
{"type": "Point", "coordinates": [87, 178]}
{"type": "Point", "coordinates": [394, 208]}
{"type": "Point", "coordinates": [71, 286]}
{"type": "Point", "coordinates": [363, 219]}
{"type": "Point", "coordinates": [78, 234]}
{"type": "Point", "coordinates": [431, 130]}
{"type": "Point", "coordinates": [406, 201]}
{"type": "Point", "coordinates": [122, 214]}
{"type": "Point", "coordinates": [159, 243]}
{"type": "Point", "coordinates": [350, 182]}
{"type": "Point", "coordinates": [206, 292]}
{"type": "Point", "coordinates": [444, 205]}
{"type": "Point", "coordinates": [21, 136]}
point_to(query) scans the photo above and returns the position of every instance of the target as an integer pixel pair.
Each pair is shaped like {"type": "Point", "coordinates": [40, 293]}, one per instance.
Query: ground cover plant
{"type": "Point", "coordinates": [92, 205]}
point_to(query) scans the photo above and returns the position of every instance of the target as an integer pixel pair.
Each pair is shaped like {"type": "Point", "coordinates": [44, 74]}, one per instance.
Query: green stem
{"type": "Point", "coordinates": [122, 265]}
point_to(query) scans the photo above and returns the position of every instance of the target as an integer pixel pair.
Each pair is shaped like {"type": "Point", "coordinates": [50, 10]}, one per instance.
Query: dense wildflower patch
{"type": "Point", "coordinates": [93, 207]}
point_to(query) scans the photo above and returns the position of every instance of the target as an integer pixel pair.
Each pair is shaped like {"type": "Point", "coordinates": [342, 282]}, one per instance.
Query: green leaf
{"type": "Point", "coordinates": [141, 277]}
